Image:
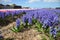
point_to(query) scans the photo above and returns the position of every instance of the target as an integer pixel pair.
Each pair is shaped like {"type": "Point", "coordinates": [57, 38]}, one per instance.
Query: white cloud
{"type": "Point", "coordinates": [7, 0]}
{"type": "Point", "coordinates": [31, 1]}
{"type": "Point", "coordinates": [51, 0]}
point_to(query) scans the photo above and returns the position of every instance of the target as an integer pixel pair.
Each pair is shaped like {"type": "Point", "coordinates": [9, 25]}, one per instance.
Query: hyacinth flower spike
{"type": "Point", "coordinates": [17, 23]}
{"type": "Point", "coordinates": [7, 13]}
{"type": "Point", "coordinates": [18, 27]}
{"type": "Point", "coordinates": [3, 15]}
{"type": "Point", "coordinates": [53, 31]}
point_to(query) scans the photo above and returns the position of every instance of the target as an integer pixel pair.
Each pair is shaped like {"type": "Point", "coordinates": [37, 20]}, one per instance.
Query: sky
{"type": "Point", "coordinates": [33, 3]}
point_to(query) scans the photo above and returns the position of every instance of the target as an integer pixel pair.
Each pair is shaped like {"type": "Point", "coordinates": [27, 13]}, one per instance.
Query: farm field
{"type": "Point", "coordinates": [30, 24]}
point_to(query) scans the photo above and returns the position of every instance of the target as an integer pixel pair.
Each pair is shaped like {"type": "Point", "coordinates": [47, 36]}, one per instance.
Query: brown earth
{"type": "Point", "coordinates": [27, 34]}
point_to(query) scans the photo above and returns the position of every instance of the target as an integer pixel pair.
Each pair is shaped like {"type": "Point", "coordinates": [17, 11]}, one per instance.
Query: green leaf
{"type": "Point", "coordinates": [39, 25]}
{"type": "Point", "coordinates": [14, 29]}
{"type": "Point", "coordinates": [51, 37]}
{"type": "Point", "coordinates": [39, 30]}
{"type": "Point", "coordinates": [44, 38]}
{"type": "Point", "coordinates": [21, 28]}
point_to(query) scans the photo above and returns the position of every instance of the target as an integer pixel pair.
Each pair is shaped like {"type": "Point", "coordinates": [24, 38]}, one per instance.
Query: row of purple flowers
{"type": "Point", "coordinates": [47, 17]}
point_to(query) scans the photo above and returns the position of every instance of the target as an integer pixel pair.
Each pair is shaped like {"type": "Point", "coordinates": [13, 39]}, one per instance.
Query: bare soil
{"type": "Point", "coordinates": [27, 34]}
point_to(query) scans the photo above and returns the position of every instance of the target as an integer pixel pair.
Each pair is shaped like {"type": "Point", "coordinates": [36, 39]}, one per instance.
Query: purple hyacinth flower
{"type": "Point", "coordinates": [53, 31]}
{"type": "Point", "coordinates": [2, 15]}
{"type": "Point", "coordinates": [13, 13]}
{"type": "Point", "coordinates": [44, 25]}
{"type": "Point", "coordinates": [17, 22]}
{"type": "Point", "coordinates": [7, 13]}
{"type": "Point", "coordinates": [30, 20]}
{"type": "Point", "coordinates": [55, 21]}
{"type": "Point", "coordinates": [35, 16]}
{"type": "Point", "coordinates": [24, 19]}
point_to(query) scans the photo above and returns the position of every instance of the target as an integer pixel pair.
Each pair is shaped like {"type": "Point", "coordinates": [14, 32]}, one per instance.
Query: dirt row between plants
{"type": "Point", "coordinates": [27, 34]}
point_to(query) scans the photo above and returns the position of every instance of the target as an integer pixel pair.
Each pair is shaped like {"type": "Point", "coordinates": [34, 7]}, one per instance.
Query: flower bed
{"type": "Point", "coordinates": [44, 20]}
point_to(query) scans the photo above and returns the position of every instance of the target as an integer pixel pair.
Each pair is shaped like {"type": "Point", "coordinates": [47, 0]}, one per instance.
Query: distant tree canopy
{"type": "Point", "coordinates": [1, 6]}
{"type": "Point", "coordinates": [15, 7]}
{"type": "Point", "coordinates": [58, 8]}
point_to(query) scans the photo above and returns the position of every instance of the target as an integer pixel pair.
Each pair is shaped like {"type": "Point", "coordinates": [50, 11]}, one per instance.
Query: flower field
{"type": "Point", "coordinates": [29, 24]}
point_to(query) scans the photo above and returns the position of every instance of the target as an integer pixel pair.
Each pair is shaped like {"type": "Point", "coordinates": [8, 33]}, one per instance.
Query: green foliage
{"type": "Point", "coordinates": [39, 26]}
{"type": "Point", "coordinates": [50, 37]}
{"type": "Point", "coordinates": [43, 30]}
{"type": "Point", "coordinates": [58, 34]}
{"type": "Point", "coordinates": [14, 29]}
{"type": "Point", "coordinates": [20, 28]}
{"type": "Point", "coordinates": [44, 38]}
{"type": "Point", "coordinates": [2, 22]}
{"type": "Point", "coordinates": [26, 24]}
{"type": "Point", "coordinates": [46, 30]}
{"type": "Point", "coordinates": [34, 21]}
